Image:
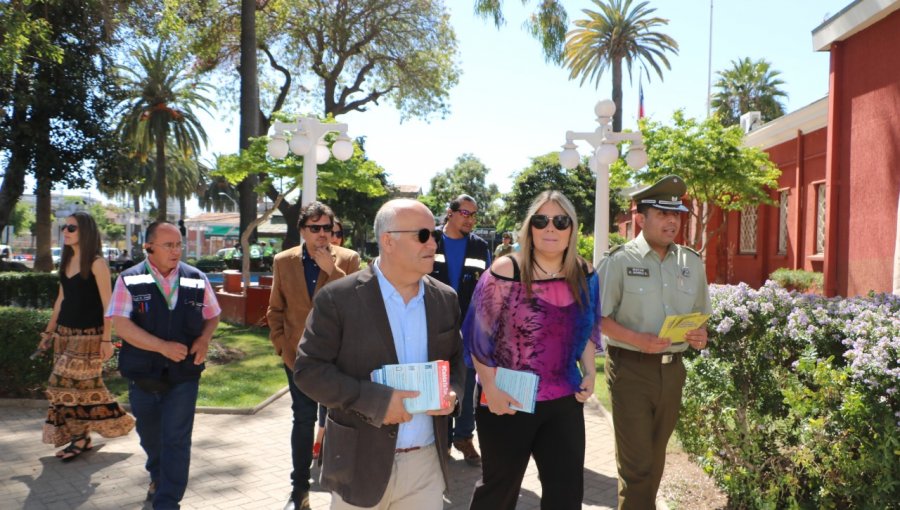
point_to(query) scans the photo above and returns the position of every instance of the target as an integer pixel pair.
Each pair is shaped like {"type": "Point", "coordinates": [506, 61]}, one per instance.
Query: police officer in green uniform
{"type": "Point", "coordinates": [643, 281]}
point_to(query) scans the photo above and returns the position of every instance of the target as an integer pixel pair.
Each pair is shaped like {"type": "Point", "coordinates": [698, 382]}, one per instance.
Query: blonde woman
{"type": "Point", "coordinates": [81, 341]}
{"type": "Point", "coordinates": [537, 310]}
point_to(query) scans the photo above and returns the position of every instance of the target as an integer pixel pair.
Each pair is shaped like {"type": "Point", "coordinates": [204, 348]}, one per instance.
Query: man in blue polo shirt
{"type": "Point", "coordinates": [460, 260]}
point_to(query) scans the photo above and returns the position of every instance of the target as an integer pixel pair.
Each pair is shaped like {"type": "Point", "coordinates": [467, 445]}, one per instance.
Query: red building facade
{"type": "Point", "coordinates": [837, 201]}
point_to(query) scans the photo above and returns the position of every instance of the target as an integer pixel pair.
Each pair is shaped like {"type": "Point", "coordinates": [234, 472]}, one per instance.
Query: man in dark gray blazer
{"type": "Point", "coordinates": [375, 453]}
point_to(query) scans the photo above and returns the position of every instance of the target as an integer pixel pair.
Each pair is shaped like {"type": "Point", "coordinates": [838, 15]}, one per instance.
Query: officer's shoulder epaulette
{"type": "Point", "coordinates": [695, 252]}
{"type": "Point", "coordinates": [613, 250]}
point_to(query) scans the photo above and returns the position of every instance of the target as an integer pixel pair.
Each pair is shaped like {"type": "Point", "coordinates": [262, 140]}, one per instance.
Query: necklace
{"type": "Point", "coordinates": [547, 273]}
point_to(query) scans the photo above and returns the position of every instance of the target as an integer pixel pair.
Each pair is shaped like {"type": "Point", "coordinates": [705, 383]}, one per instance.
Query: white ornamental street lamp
{"type": "Point", "coordinates": [305, 138]}
{"type": "Point", "coordinates": [606, 152]}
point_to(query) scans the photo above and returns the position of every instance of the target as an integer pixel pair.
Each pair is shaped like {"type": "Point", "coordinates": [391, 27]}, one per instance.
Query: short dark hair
{"type": "Point", "coordinates": [643, 208]}
{"type": "Point", "coordinates": [456, 202]}
{"type": "Point", "coordinates": [506, 235]}
{"type": "Point", "coordinates": [313, 211]}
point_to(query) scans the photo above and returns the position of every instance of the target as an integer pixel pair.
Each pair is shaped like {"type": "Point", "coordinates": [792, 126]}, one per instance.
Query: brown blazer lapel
{"type": "Point", "coordinates": [369, 293]}
{"type": "Point", "coordinates": [302, 295]}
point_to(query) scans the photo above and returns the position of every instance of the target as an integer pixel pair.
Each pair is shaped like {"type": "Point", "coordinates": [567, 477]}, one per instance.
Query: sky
{"type": "Point", "coordinates": [510, 106]}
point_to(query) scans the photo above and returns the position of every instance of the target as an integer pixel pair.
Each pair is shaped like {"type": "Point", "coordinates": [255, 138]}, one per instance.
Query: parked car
{"type": "Point", "coordinates": [110, 253]}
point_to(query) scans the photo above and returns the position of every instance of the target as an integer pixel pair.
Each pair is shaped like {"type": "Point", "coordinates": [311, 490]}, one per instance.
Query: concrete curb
{"type": "Point", "coordinates": [29, 403]}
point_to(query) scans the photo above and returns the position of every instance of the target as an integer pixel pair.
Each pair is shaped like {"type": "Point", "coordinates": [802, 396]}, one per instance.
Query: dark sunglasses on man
{"type": "Point", "coordinates": [466, 213]}
{"type": "Point", "coordinates": [560, 221]}
{"type": "Point", "coordinates": [315, 229]}
{"type": "Point", "coordinates": [70, 228]}
{"type": "Point", "coordinates": [422, 234]}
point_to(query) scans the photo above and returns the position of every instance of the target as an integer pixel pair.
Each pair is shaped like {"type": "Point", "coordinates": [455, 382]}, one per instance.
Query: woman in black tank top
{"type": "Point", "coordinates": [81, 340]}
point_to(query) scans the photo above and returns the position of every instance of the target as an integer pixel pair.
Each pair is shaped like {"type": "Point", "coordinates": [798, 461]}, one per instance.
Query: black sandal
{"type": "Point", "coordinates": [73, 450]}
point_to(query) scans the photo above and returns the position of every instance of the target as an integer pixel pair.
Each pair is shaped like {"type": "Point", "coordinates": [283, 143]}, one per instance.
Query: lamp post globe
{"type": "Point", "coordinates": [606, 154]}
{"type": "Point", "coordinates": [299, 143]}
{"type": "Point", "coordinates": [278, 147]}
{"type": "Point", "coordinates": [342, 149]}
{"type": "Point", "coordinates": [322, 154]}
{"type": "Point", "coordinates": [569, 158]}
{"type": "Point", "coordinates": [636, 158]}
{"type": "Point", "coordinates": [605, 108]}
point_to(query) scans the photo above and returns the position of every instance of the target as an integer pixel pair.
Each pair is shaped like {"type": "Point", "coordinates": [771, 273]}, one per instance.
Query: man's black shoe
{"type": "Point", "coordinates": [298, 501]}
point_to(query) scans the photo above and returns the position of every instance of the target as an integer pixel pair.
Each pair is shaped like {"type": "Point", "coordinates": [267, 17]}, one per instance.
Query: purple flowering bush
{"type": "Point", "coordinates": [795, 402]}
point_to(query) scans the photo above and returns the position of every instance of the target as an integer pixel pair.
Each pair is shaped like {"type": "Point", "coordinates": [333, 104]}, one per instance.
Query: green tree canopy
{"type": "Point", "coordinates": [545, 173]}
{"type": "Point", "coordinates": [748, 86]}
{"type": "Point", "coordinates": [718, 170]}
{"type": "Point", "coordinates": [467, 176]}
{"type": "Point", "coordinates": [614, 34]}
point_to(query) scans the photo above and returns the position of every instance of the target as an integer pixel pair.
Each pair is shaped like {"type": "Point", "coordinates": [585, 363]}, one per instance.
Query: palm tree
{"type": "Point", "coordinates": [158, 107]}
{"type": "Point", "coordinates": [547, 24]}
{"type": "Point", "coordinates": [748, 86]}
{"type": "Point", "coordinates": [613, 34]}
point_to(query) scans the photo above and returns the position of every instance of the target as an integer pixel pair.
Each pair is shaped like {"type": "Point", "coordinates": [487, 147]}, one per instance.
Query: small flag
{"type": "Point", "coordinates": [640, 100]}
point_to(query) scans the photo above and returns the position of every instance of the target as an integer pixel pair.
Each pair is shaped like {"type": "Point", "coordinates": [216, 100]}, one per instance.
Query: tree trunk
{"type": "Point", "coordinates": [43, 260]}
{"type": "Point", "coordinates": [161, 187]}
{"type": "Point", "coordinates": [136, 245]}
{"type": "Point", "coordinates": [617, 93]}
{"type": "Point", "coordinates": [249, 114]}
{"type": "Point", "coordinates": [14, 179]}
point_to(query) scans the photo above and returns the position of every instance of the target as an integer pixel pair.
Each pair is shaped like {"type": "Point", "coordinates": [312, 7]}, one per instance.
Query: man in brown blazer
{"type": "Point", "coordinates": [375, 453]}
{"type": "Point", "coordinates": [297, 275]}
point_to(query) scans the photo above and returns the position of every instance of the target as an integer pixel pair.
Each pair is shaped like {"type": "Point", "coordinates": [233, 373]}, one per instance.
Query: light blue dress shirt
{"type": "Point", "coordinates": [410, 331]}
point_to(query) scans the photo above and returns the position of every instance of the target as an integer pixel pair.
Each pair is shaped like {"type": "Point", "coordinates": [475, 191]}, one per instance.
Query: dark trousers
{"type": "Point", "coordinates": [646, 398]}
{"type": "Point", "coordinates": [165, 423]}
{"type": "Point", "coordinates": [554, 435]}
{"type": "Point", "coordinates": [305, 410]}
{"type": "Point", "coordinates": [463, 427]}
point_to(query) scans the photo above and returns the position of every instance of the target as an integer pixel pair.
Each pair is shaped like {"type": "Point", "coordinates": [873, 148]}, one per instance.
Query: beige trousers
{"type": "Point", "coordinates": [416, 483]}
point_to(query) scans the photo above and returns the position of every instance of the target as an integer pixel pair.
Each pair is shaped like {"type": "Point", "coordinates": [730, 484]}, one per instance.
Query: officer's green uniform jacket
{"type": "Point", "coordinates": [638, 291]}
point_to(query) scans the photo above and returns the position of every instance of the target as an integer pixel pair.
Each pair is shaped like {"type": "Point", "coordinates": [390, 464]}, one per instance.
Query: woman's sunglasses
{"type": "Point", "coordinates": [337, 233]}
{"type": "Point", "coordinates": [70, 228]}
{"type": "Point", "coordinates": [315, 229]}
{"type": "Point", "coordinates": [560, 221]}
{"type": "Point", "coordinates": [422, 234]}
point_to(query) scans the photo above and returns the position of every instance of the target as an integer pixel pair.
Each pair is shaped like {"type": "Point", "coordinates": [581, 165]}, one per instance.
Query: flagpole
{"type": "Point", "coordinates": [709, 62]}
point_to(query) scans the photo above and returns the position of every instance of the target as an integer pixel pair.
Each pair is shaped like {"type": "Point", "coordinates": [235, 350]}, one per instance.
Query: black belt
{"type": "Point", "coordinates": [659, 358]}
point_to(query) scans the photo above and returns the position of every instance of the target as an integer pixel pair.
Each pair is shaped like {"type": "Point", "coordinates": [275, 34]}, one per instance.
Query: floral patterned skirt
{"type": "Point", "coordinates": [79, 401]}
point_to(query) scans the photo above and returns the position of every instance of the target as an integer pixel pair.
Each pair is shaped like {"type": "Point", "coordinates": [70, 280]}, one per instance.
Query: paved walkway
{"type": "Point", "coordinates": [240, 462]}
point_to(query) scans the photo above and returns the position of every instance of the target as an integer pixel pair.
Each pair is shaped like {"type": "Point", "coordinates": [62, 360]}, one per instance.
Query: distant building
{"type": "Point", "coordinates": [413, 191]}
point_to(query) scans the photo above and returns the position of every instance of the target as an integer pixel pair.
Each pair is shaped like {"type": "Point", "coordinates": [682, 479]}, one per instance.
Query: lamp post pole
{"type": "Point", "coordinates": [307, 140]}
{"type": "Point", "coordinates": [605, 152]}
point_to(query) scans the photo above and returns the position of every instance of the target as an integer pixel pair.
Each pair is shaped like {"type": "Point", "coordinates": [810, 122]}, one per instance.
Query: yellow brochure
{"type": "Point", "coordinates": [675, 326]}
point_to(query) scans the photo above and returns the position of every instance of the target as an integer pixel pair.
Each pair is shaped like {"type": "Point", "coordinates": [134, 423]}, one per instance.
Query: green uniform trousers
{"type": "Point", "coordinates": [646, 398]}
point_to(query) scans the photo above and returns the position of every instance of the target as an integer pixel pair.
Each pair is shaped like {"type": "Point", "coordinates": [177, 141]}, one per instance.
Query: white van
{"type": "Point", "coordinates": [110, 253]}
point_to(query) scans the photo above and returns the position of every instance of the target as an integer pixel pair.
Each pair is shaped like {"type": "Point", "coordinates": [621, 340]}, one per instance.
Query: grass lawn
{"type": "Point", "coordinates": [600, 387]}
{"type": "Point", "coordinates": [243, 382]}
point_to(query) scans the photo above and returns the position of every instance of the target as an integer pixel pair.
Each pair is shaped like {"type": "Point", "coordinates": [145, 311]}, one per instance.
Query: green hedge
{"type": "Point", "coordinates": [20, 376]}
{"type": "Point", "coordinates": [210, 264]}
{"type": "Point", "coordinates": [796, 402]}
{"type": "Point", "coordinates": [798, 279]}
{"type": "Point", "coordinates": [29, 290]}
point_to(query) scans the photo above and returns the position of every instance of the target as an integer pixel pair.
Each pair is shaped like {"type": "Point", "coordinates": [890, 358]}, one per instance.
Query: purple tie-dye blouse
{"type": "Point", "coordinates": [544, 334]}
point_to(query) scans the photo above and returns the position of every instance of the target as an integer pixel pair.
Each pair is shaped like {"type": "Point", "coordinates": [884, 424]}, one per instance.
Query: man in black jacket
{"type": "Point", "coordinates": [460, 260]}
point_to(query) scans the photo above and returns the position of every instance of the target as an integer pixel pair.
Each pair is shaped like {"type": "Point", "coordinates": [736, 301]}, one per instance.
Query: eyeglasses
{"type": "Point", "coordinates": [467, 214]}
{"type": "Point", "coordinates": [171, 246]}
{"type": "Point", "coordinates": [70, 228]}
{"type": "Point", "coordinates": [560, 221]}
{"type": "Point", "coordinates": [422, 234]}
{"type": "Point", "coordinates": [315, 229]}
{"type": "Point", "coordinates": [337, 233]}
